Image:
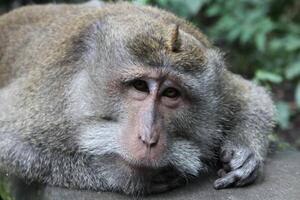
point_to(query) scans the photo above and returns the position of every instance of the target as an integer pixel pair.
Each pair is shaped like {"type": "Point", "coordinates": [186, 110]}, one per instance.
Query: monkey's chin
{"type": "Point", "coordinates": [142, 161]}
{"type": "Point", "coordinates": [145, 163]}
{"type": "Point", "coordinates": [155, 177]}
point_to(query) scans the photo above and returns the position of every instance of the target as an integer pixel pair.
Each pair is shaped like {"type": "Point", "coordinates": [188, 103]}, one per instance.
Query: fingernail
{"type": "Point", "coordinates": [221, 173]}
{"type": "Point", "coordinates": [217, 185]}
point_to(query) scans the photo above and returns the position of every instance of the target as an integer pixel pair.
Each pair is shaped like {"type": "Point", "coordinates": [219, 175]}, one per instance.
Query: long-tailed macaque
{"type": "Point", "coordinates": [123, 98]}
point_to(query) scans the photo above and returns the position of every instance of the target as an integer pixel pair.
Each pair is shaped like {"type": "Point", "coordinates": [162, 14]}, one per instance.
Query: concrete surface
{"type": "Point", "coordinates": [281, 182]}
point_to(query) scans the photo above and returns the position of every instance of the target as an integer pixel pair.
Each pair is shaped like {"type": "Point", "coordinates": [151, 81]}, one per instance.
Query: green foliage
{"type": "Point", "coordinates": [283, 114]}
{"type": "Point", "coordinates": [262, 75]}
{"type": "Point", "coordinates": [292, 70]}
{"type": "Point", "coordinates": [4, 195]}
{"type": "Point", "coordinates": [187, 8]}
{"type": "Point", "coordinates": [297, 95]}
{"type": "Point", "coordinates": [279, 144]}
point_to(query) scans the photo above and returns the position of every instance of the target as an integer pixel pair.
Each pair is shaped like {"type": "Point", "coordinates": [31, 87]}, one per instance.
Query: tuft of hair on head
{"type": "Point", "coordinates": [173, 42]}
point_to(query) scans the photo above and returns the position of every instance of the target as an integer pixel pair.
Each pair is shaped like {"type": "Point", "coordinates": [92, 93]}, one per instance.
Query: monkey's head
{"type": "Point", "coordinates": [148, 96]}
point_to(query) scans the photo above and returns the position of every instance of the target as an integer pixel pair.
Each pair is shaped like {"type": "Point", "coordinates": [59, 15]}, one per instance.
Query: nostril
{"type": "Point", "coordinates": [149, 142]}
{"type": "Point", "coordinates": [152, 143]}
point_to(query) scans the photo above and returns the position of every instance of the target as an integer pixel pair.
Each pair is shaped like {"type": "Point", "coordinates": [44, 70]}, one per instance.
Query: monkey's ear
{"type": "Point", "coordinates": [173, 38]}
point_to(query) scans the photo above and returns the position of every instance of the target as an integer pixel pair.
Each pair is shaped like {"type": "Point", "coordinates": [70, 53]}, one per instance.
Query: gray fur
{"type": "Point", "coordinates": [62, 111]}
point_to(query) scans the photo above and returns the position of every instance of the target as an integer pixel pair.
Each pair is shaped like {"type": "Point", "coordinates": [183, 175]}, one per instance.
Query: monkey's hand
{"type": "Point", "coordinates": [240, 167]}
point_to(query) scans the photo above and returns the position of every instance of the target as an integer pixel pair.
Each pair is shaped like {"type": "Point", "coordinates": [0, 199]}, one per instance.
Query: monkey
{"type": "Point", "coordinates": [123, 98]}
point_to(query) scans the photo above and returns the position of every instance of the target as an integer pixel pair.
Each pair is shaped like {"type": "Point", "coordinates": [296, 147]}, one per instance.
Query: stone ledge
{"type": "Point", "coordinates": [281, 181]}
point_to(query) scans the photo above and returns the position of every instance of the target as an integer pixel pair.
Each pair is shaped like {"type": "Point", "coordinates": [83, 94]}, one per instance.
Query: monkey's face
{"type": "Point", "coordinates": [152, 101]}
{"type": "Point", "coordinates": [159, 106]}
{"type": "Point", "coordinates": [163, 120]}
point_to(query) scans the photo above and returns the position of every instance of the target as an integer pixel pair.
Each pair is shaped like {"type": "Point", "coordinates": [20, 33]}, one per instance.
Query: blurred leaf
{"type": "Point", "coordinates": [297, 95]}
{"type": "Point", "coordinates": [193, 5]}
{"type": "Point", "coordinates": [4, 191]}
{"type": "Point", "coordinates": [140, 2]}
{"type": "Point", "coordinates": [285, 146]}
{"type": "Point", "coordinates": [293, 70]}
{"type": "Point", "coordinates": [283, 114]}
{"type": "Point", "coordinates": [292, 43]}
{"type": "Point", "coordinates": [260, 41]}
{"type": "Point", "coordinates": [268, 76]}
{"type": "Point", "coordinates": [163, 3]}
{"type": "Point", "coordinates": [234, 34]}
{"type": "Point", "coordinates": [213, 10]}
{"type": "Point", "coordinates": [276, 44]}
{"type": "Point", "coordinates": [265, 26]}
{"type": "Point", "coordinates": [226, 24]}
{"type": "Point", "coordinates": [292, 27]}
{"type": "Point", "coordinates": [185, 8]}
{"type": "Point", "coordinates": [247, 33]}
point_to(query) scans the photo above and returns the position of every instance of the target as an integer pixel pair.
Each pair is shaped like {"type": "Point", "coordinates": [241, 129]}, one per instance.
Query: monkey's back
{"type": "Point", "coordinates": [33, 37]}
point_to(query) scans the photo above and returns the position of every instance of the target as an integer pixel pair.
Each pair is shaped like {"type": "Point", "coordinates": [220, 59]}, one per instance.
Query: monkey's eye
{"type": "Point", "coordinates": [171, 93]}
{"type": "Point", "coordinates": [140, 85]}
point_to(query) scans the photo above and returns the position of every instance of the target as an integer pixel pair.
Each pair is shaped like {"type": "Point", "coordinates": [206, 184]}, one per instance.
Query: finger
{"type": "Point", "coordinates": [226, 156]}
{"type": "Point", "coordinates": [225, 181]}
{"type": "Point", "coordinates": [239, 158]}
{"type": "Point", "coordinates": [226, 167]}
{"type": "Point", "coordinates": [240, 176]}
{"type": "Point", "coordinates": [221, 172]}
{"type": "Point", "coordinates": [249, 172]}
{"type": "Point", "coordinates": [248, 180]}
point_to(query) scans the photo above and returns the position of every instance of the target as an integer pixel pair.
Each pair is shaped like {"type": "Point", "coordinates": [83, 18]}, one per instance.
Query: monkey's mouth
{"type": "Point", "coordinates": [143, 159]}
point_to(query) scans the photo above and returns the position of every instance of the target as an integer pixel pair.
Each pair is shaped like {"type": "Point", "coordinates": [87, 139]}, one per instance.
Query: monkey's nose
{"type": "Point", "coordinates": [149, 140]}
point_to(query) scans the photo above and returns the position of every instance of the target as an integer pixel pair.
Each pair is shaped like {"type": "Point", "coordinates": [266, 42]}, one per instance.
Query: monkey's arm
{"type": "Point", "coordinates": [250, 114]}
